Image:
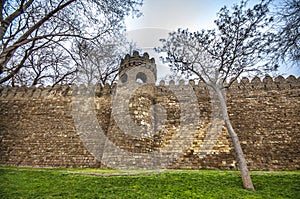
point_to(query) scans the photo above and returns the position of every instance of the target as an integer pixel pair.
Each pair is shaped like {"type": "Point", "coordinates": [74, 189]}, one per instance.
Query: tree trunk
{"type": "Point", "coordinates": [242, 164]}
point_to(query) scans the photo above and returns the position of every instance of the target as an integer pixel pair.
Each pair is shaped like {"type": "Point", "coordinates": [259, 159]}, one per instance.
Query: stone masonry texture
{"type": "Point", "coordinates": [37, 125]}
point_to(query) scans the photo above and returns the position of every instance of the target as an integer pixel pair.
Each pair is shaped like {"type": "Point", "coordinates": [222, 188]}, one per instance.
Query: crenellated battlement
{"type": "Point", "coordinates": [135, 61]}
{"type": "Point", "coordinates": [245, 84]}
{"type": "Point", "coordinates": [135, 57]}
{"type": "Point", "coordinates": [43, 126]}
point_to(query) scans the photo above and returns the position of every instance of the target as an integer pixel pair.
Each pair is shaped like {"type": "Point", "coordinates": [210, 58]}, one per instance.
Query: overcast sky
{"type": "Point", "coordinates": [162, 16]}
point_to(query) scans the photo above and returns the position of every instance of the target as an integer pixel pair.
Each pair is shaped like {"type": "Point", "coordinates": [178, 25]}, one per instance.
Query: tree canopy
{"type": "Point", "coordinates": [284, 34]}
{"type": "Point", "coordinates": [235, 47]}
{"type": "Point", "coordinates": [35, 34]}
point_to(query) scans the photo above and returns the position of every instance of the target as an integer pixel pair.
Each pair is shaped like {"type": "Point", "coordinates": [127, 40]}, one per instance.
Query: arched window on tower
{"type": "Point", "coordinates": [141, 77]}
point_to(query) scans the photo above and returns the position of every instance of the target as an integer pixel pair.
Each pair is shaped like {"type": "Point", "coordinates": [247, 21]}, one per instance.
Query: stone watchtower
{"type": "Point", "coordinates": [140, 68]}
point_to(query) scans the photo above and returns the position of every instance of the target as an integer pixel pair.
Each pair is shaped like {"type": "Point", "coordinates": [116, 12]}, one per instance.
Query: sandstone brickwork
{"type": "Point", "coordinates": [38, 125]}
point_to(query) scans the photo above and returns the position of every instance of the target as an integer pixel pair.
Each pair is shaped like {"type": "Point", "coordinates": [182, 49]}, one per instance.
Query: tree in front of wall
{"type": "Point", "coordinates": [221, 55]}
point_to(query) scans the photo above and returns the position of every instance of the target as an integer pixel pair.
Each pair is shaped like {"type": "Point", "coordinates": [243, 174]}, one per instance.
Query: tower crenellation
{"type": "Point", "coordinates": [135, 60]}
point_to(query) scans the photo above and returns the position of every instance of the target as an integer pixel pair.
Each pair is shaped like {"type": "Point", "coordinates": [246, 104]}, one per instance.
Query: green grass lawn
{"type": "Point", "coordinates": [104, 183]}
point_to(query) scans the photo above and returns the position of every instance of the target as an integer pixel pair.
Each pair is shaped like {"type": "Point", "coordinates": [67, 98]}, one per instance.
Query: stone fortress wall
{"type": "Point", "coordinates": [38, 126]}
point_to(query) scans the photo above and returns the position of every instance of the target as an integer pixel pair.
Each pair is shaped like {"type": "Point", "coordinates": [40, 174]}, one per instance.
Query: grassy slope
{"type": "Point", "coordinates": [60, 183]}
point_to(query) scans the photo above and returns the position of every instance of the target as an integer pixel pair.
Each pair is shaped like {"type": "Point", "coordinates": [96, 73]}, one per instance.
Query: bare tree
{"type": "Point", "coordinates": [27, 26]}
{"type": "Point", "coordinates": [284, 35]}
{"type": "Point", "coordinates": [217, 55]}
{"type": "Point", "coordinates": [98, 61]}
{"type": "Point", "coordinates": [48, 64]}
